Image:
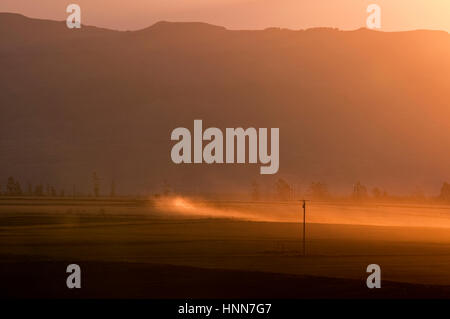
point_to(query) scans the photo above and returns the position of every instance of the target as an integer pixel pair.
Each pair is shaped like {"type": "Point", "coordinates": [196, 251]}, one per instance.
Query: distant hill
{"type": "Point", "coordinates": [355, 105]}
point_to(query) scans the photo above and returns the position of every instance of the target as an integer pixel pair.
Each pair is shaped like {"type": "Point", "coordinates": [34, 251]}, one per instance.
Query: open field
{"type": "Point", "coordinates": [149, 243]}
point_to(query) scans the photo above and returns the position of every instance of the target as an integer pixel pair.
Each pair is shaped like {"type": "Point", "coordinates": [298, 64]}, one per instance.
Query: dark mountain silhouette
{"type": "Point", "coordinates": [355, 105]}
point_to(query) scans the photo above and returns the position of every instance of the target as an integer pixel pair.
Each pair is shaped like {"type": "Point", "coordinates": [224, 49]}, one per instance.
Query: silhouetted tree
{"type": "Point", "coordinates": [39, 190]}
{"type": "Point", "coordinates": [445, 192]}
{"type": "Point", "coordinates": [255, 191]}
{"type": "Point", "coordinates": [166, 188]}
{"type": "Point", "coordinates": [18, 189]}
{"type": "Point", "coordinates": [284, 190]}
{"type": "Point", "coordinates": [96, 182]}
{"type": "Point", "coordinates": [113, 189]}
{"type": "Point", "coordinates": [10, 186]}
{"type": "Point", "coordinates": [318, 190]}
{"type": "Point", "coordinates": [359, 191]}
{"type": "Point", "coordinates": [376, 193]}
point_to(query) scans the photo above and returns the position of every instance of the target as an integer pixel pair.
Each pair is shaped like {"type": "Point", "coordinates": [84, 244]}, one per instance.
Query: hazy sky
{"type": "Point", "coordinates": [244, 14]}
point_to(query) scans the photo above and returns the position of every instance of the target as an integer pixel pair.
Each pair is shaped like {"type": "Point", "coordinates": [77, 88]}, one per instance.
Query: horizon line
{"type": "Point", "coordinates": [362, 28]}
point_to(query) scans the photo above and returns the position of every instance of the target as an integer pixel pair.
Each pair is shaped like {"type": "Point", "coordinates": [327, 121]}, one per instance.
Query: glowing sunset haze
{"type": "Point", "coordinates": [397, 15]}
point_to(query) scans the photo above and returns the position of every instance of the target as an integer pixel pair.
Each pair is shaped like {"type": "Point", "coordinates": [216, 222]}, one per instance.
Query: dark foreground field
{"type": "Point", "coordinates": [137, 249]}
{"type": "Point", "coordinates": [139, 280]}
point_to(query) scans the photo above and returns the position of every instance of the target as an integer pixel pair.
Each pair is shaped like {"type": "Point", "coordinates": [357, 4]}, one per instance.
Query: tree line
{"type": "Point", "coordinates": [283, 190]}
{"type": "Point", "coordinates": [14, 188]}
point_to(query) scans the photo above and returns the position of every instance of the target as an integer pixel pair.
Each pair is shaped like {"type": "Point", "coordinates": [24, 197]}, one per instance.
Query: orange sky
{"type": "Point", "coordinates": [244, 14]}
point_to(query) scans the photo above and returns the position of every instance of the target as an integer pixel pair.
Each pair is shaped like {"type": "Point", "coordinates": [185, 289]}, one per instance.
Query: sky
{"type": "Point", "coordinates": [396, 15]}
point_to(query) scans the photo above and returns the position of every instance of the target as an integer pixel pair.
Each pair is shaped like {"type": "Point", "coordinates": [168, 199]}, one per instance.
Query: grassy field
{"type": "Point", "coordinates": [229, 239]}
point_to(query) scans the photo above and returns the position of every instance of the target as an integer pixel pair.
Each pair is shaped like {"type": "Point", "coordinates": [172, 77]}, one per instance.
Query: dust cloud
{"type": "Point", "coordinates": [370, 214]}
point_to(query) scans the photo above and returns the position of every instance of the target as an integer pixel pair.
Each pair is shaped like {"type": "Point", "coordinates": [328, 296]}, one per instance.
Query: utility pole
{"type": "Point", "coordinates": [304, 225]}
{"type": "Point", "coordinates": [304, 228]}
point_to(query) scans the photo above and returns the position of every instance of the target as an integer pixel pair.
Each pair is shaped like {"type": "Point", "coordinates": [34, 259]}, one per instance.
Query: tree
{"type": "Point", "coordinates": [17, 189]}
{"type": "Point", "coordinates": [166, 188]}
{"type": "Point", "coordinates": [10, 186]}
{"type": "Point", "coordinates": [255, 191]}
{"type": "Point", "coordinates": [39, 190]}
{"type": "Point", "coordinates": [284, 190]}
{"type": "Point", "coordinates": [445, 192]}
{"type": "Point", "coordinates": [318, 190]}
{"type": "Point", "coordinates": [113, 189]}
{"type": "Point", "coordinates": [96, 182]}
{"type": "Point", "coordinates": [359, 191]}
{"type": "Point", "coordinates": [376, 193]}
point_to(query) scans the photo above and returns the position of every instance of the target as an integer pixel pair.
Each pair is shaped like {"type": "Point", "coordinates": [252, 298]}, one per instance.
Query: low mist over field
{"type": "Point", "coordinates": [371, 214]}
